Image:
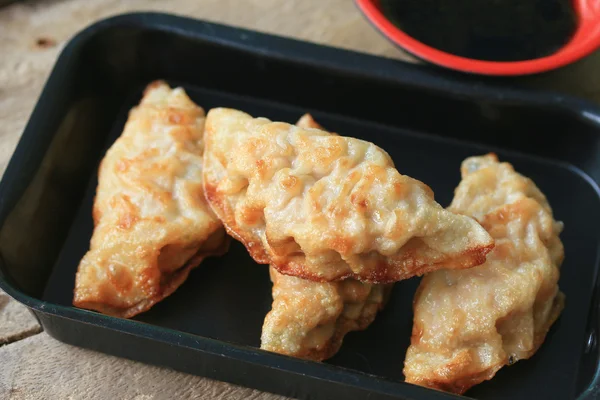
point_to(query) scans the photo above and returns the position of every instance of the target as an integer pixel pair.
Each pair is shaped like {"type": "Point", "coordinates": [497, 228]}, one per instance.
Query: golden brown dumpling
{"type": "Point", "coordinates": [151, 221]}
{"type": "Point", "coordinates": [326, 207]}
{"type": "Point", "coordinates": [470, 323]}
{"type": "Point", "coordinates": [307, 121]}
{"type": "Point", "coordinates": [310, 319]}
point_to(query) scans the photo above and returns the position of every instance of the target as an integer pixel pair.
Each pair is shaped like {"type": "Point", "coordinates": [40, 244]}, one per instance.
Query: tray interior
{"type": "Point", "coordinates": [227, 298]}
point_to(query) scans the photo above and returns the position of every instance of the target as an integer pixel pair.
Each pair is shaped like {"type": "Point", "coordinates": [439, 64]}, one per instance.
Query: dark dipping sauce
{"type": "Point", "coordinates": [492, 30]}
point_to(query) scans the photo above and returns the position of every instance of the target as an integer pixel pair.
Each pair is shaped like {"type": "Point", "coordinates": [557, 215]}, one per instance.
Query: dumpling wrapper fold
{"type": "Point", "coordinates": [325, 207]}
{"type": "Point", "coordinates": [468, 324]}
{"type": "Point", "coordinates": [152, 224]}
{"type": "Point", "coordinates": [310, 319]}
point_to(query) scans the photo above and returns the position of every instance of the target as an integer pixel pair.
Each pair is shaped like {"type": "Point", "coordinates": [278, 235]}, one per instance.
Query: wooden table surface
{"type": "Point", "coordinates": [32, 33]}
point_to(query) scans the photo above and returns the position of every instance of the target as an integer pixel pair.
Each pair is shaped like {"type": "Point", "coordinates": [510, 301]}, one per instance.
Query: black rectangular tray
{"type": "Point", "coordinates": [211, 325]}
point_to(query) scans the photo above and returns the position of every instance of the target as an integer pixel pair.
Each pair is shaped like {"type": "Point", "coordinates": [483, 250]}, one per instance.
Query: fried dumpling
{"type": "Point", "coordinates": [151, 220]}
{"type": "Point", "coordinates": [326, 207]}
{"type": "Point", "coordinates": [307, 121]}
{"type": "Point", "coordinates": [310, 319]}
{"type": "Point", "coordinates": [468, 324]}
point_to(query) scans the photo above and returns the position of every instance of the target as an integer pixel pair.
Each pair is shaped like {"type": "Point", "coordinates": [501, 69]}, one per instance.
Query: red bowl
{"type": "Point", "coordinates": [585, 40]}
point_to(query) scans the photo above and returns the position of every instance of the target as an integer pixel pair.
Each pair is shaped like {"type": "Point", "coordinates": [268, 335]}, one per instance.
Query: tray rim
{"type": "Point", "coordinates": [301, 52]}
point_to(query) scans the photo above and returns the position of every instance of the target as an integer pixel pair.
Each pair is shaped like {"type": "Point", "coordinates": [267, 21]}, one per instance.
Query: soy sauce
{"type": "Point", "coordinates": [492, 30]}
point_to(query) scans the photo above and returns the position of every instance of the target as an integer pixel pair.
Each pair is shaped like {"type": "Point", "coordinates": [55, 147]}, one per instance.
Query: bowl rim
{"type": "Point", "coordinates": [585, 40]}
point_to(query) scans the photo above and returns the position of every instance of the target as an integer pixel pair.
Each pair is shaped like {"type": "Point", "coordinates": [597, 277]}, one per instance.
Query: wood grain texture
{"type": "Point", "coordinates": [16, 322]}
{"type": "Point", "coordinates": [42, 368]}
{"type": "Point", "coordinates": [32, 34]}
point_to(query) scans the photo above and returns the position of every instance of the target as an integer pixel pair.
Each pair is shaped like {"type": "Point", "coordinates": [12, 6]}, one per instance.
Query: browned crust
{"type": "Point", "coordinates": [154, 268]}
{"type": "Point", "coordinates": [451, 376]}
{"type": "Point", "coordinates": [225, 214]}
{"type": "Point", "coordinates": [387, 272]}
{"type": "Point", "coordinates": [169, 284]}
{"type": "Point", "coordinates": [462, 384]}
{"type": "Point", "coordinates": [343, 327]}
